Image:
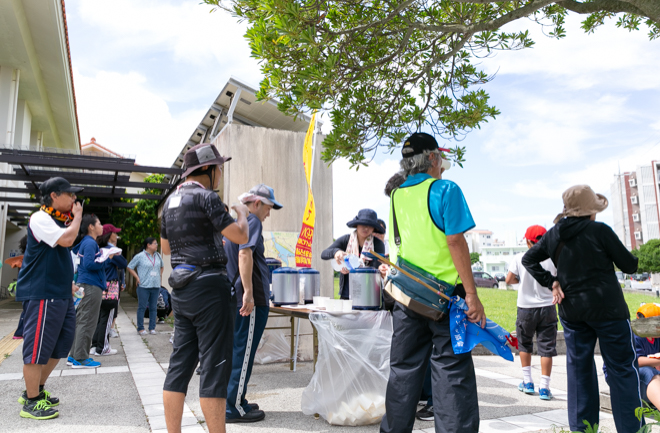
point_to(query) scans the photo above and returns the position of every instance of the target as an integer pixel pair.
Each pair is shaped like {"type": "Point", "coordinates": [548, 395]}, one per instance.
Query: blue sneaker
{"type": "Point", "coordinates": [545, 394]}
{"type": "Point", "coordinates": [85, 363]}
{"type": "Point", "coordinates": [69, 361]}
{"type": "Point", "coordinates": [527, 388]}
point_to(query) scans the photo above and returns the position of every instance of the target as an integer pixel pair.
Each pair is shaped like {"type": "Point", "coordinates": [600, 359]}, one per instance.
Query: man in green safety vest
{"type": "Point", "coordinates": [432, 216]}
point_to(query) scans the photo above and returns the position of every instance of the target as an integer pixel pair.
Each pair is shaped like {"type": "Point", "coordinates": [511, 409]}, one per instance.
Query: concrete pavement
{"type": "Point", "coordinates": [125, 393]}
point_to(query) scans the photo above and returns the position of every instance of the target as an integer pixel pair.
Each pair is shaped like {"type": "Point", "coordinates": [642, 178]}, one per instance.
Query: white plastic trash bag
{"type": "Point", "coordinates": [273, 347]}
{"type": "Point", "coordinates": [348, 387]}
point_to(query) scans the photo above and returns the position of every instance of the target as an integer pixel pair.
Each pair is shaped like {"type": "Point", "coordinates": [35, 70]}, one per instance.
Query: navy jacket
{"type": "Point", "coordinates": [585, 269]}
{"type": "Point", "coordinates": [113, 268]}
{"type": "Point", "coordinates": [340, 245]}
{"type": "Point", "coordinates": [90, 271]}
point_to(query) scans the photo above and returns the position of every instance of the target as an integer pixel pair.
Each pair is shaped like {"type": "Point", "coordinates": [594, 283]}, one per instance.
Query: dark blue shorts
{"type": "Point", "coordinates": [49, 328]}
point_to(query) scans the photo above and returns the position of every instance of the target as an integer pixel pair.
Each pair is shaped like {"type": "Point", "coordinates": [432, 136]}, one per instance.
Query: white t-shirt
{"type": "Point", "coordinates": [45, 229]}
{"type": "Point", "coordinates": [530, 293]}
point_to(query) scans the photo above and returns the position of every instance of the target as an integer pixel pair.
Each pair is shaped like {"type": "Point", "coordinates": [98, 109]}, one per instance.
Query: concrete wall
{"type": "Point", "coordinates": [274, 157]}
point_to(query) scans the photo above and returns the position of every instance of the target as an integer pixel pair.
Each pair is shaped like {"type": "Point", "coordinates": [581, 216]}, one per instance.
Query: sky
{"type": "Point", "coordinates": [574, 111]}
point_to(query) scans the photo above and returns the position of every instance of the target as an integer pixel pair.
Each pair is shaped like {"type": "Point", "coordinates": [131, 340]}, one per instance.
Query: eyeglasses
{"type": "Point", "coordinates": [71, 194]}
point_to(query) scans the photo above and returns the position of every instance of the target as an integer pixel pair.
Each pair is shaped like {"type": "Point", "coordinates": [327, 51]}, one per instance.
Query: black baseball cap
{"type": "Point", "coordinates": [418, 143]}
{"type": "Point", "coordinates": [58, 184]}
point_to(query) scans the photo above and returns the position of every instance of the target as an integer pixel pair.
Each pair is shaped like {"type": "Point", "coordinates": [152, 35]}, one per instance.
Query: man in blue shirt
{"type": "Point", "coordinates": [428, 217]}
{"type": "Point", "coordinates": [45, 287]}
{"type": "Point", "coordinates": [252, 290]}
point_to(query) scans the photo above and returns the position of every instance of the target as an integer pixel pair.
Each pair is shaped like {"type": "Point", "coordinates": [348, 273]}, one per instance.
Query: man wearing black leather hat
{"type": "Point", "coordinates": [194, 222]}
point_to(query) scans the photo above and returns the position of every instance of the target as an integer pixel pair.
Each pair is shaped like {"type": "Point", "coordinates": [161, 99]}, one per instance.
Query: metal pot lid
{"type": "Point", "coordinates": [285, 271]}
{"type": "Point", "coordinates": [308, 271]}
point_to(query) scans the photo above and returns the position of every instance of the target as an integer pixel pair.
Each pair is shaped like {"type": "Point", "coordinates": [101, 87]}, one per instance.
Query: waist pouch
{"type": "Point", "coordinates": [182, 275]}
{"type": "Point", "coordinates": [414, 295]}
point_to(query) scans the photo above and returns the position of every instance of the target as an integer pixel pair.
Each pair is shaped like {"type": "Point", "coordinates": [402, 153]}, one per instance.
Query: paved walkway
{"type": "Point", "coordinates": [125, 394]}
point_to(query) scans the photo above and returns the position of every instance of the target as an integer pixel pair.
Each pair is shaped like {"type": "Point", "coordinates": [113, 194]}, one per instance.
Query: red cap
{"type": "Point", "coordinates": [535, 233]}
{"type": "Point", "coordinates": [109, 228]}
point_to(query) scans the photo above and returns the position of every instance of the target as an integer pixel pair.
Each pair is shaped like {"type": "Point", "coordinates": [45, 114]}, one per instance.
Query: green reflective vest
{"type": "Point", "coordinates": [422, 242]}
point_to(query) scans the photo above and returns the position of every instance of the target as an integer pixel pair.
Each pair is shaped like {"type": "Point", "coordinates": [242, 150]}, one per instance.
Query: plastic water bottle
{"type": "Point", "coordinates": [77, 296]}
{"type": "Point", "coordinates": [351, 262]}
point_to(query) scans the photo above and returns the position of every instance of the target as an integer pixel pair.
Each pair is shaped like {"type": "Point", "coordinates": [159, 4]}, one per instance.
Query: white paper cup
{"type": "Point", "coordinates": [321, 301]}
{"type": "Point", "coordinates": [334, 305]}
{"type": "Point", "coordinates": [346, 305]}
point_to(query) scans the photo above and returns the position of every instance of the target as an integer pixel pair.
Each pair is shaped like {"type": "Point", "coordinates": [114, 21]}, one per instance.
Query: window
{"type": "Point", "coordinates": [633, 199]}
{"type": "Point", "coordinates": [496, 268]}
{"type": "Point", "coordinates": [487, 276]}
{"type": "Point", "coordinates": [632, 182]}
{"type": "Point", "coordinates": [638, 236]}
{"type": "Point", "coordinates": [636, 217]}
{"type": "Point", "coordinates": [505, 253]}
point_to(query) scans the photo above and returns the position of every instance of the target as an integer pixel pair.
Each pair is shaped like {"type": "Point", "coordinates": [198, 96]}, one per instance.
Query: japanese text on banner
{"type": "Point", "coordinates": [304, 244]}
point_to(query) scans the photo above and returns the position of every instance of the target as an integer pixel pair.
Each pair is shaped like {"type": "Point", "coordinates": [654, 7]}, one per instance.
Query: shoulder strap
{"type": "Point", "coordinates": [397, 235]}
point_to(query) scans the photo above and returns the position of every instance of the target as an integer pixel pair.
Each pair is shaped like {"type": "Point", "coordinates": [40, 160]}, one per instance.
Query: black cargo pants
{"type": "Point", "coordinates": [454, 384]}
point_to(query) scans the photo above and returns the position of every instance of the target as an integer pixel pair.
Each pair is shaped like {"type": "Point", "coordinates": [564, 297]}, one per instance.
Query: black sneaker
{"type": "Point", "coordinates": [44, 395]}
{"type": "Point", "coordinates": [425, 413]}
{"type": "Point", "coordinates": [38, 409]}
{"type": "Point", "coordinates": [252, 416]}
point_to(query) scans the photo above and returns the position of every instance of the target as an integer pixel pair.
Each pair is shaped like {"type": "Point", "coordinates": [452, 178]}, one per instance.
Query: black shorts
{"type": "Point", "coordinates": [541, 321]}
{"type": "Point", "coordinates": [204, 315]}
{"type": "Point", "coordinates": [49, 328]}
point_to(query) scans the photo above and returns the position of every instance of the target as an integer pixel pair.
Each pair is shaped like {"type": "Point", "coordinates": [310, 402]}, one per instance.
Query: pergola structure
{"type": "Point", "coordinates": [106, 180]}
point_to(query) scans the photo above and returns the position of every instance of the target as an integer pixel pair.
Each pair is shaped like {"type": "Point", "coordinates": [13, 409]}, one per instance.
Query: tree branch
{"type": "Point", "coordinates": [488, 25]}
{"type": "Point", "coordinates": [391, 15]}
{"type": "Point", "coordinates": [614, 6]}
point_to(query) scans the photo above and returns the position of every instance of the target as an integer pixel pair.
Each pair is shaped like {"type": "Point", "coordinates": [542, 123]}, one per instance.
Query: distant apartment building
{"type": "Point", "coordinates": [496, 259]}
{"type": "Point", "coordinates": [634, 203]}
{"type": "Point", "coordinates": [477, 239]}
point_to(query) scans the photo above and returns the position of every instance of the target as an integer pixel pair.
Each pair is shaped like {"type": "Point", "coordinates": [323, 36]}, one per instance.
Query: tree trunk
{"type": "Point", "coordinates": [649, 327]}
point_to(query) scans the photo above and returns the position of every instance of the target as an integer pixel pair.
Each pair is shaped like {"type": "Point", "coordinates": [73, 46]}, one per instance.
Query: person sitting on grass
{"type": "Point", "coordinates": [537, 314]}
{"type": "Point", "coordinates": [649, 367]}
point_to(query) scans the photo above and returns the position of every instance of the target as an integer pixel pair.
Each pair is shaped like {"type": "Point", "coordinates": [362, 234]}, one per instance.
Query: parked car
{"type": "Point", "coordinates": [641, 277]}
{"type": "Point", "coordinates": [500, 276]}
{"type": "Point", "coordinates": [484, 279]}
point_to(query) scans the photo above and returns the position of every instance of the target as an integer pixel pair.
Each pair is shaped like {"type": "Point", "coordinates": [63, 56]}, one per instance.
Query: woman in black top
{"type": "Point", "coordinates": [591, 307]}
{"type": "Point", "coordinates": [360, 241]}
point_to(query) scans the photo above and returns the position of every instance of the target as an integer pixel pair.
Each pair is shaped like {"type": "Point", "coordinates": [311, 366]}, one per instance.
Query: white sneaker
{"type": "Point", "coordinates": [113, 333]}
{"type": "Point", "coordinates": [153, 332]}
{"type": "Point", "coordinates": [92, 351]}
{"type": "Point", "coordinates": [109, 352]}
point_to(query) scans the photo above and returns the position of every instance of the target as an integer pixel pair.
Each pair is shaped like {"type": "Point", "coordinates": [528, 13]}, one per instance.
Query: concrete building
{"type": "Point", "coordinates": [95, 149]}
{"type": "Point", "coordinates": [478, 239]}
{"type": "Point", "coordinates": [37, 102]}
{"type": "Point", "coordinates": [266, 147]}
{"type": "Point", "coordinates": [496, 259]}
{"type": "Point", "coordinates": [634, 203]}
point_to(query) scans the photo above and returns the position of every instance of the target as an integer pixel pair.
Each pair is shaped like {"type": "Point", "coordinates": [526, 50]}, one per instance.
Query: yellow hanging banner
{"type": "Point", "coordinates": [304, 244]}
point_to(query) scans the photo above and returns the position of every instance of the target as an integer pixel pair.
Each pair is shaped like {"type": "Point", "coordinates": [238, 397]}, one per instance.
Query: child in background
{"type": "Point", "coordinates": [536, 315]}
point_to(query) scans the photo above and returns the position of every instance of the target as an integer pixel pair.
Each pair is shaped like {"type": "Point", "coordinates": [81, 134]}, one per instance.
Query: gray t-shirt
{"type": "Point", "coordinates": [260, 272]}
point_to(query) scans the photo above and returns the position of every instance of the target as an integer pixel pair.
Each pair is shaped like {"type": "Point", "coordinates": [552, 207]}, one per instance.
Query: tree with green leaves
{"type": "Point", "coordinates": [474, 258]}
{"type": "Point", "coordinates": [141, 221]}
{"type": "Point", "coordinates": [384, 68]}
{"type": "Point", "coordinates": [649, 256]}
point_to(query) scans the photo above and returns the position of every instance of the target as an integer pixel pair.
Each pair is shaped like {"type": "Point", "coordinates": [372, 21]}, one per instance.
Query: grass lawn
{"type": "Point", "coordinates": [500, 305]}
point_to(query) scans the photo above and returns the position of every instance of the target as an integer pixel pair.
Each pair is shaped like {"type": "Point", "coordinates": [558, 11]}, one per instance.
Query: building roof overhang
{"type": "Point", "coordinates": [35, 41]}
{"type": "Point", "coordinates": [105, 180]}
